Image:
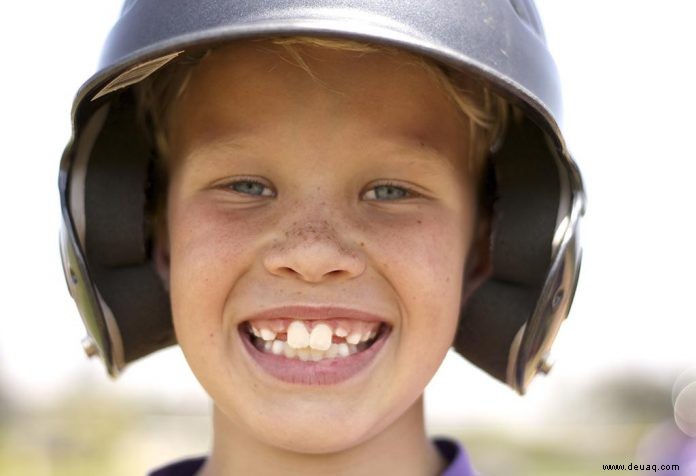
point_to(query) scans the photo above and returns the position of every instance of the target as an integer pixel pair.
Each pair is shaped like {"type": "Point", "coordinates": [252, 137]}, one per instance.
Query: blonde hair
{"type": "Point", "coordinates": [487, 113]}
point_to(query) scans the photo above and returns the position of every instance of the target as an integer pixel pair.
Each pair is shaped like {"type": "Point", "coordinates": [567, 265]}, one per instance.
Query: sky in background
{"type": "Point", "coordinates": [628, 75]}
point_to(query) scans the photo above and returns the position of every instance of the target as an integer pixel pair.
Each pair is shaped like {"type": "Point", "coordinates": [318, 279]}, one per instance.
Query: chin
{"type": "Point", "coordinates": [303, 439]}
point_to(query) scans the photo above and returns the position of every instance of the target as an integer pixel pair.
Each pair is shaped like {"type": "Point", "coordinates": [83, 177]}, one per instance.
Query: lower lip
{"type": "Point", "coordinates": [323, 372]}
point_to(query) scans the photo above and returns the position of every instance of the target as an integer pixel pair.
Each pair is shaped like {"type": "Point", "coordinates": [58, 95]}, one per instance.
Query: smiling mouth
{"type": "Point", "coordinates": [339, 347]}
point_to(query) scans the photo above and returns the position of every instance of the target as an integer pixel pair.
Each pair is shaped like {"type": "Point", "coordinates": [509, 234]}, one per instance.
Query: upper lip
{"type": "Point", "coordinates": [316, 313]}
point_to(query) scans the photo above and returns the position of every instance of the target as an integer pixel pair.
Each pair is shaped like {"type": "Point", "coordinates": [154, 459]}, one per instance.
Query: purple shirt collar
{"type": "Point", "coordinates": [453, 452]}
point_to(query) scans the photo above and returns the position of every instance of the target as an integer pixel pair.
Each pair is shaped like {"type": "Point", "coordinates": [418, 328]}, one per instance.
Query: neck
{"type": "Point", "coordinates": [402, 448]}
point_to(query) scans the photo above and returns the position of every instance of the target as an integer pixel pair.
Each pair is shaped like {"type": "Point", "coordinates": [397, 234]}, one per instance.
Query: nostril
{"type": "Point", "coordinates": [286, 271]}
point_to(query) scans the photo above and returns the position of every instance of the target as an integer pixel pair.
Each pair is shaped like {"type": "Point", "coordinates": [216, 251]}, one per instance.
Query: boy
{"type": "Point", "coordinates": [299, 196]}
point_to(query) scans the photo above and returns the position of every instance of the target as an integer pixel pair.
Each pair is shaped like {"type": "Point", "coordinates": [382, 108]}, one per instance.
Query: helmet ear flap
{"type": "Point", "coordinates": [525, 216]}
{"type": "Point", "coordinates": [117, 239]}
{"type": "Point", "coordinates": [130, 316]}
{"type": "Point", "coordinates": [489, 323]}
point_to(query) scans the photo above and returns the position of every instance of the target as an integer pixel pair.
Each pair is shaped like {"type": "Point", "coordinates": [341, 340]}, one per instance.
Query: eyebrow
{"type": "Point", "coordinates": [202, 150]}
{"type": "Point", "coordinates": [419, 148]}
{"type": "Point", "coordinates": [410, 146]}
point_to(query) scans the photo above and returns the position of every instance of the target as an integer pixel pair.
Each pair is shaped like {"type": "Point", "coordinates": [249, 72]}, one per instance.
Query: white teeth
{"type": "Point", "coordinates": [354, 338]}
{"type": "Point", "coordinates": [267, 334]}
{"type": "Point", "coordinates": [298, 337]}
{"type": "Point", "coordinates": [320, 338]}
{"type": "Point", "coordinates": [288, 351]}
{"type": "Point", "coordinates": [332, 352]}
{"type": "Point", "coordinates": [277, 347]}
{"type": "Point", "coordinates": [304, 354]}
{"type": "Point", "coordinates": [317, 355]}
{"type": "Point", "coordinates": [304, 345]}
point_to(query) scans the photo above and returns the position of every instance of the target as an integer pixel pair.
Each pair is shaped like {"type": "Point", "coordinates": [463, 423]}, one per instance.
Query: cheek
{"type": "Point", "coordinates": [425, 260]}
{"type": "Point", "coordinates": [208, 252]}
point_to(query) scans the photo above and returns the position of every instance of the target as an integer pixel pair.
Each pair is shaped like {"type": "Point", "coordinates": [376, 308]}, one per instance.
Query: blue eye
{"type": "Point", "coordinates": [389, 191]}
{"type": "Point", "coordinates": [250, 187]}
{"type": "Point", "coordinates": [385, 191]}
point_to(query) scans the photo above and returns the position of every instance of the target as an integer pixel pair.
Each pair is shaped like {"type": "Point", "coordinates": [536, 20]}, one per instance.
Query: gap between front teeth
{"type": "Point", "coordinates": [314, 346]}
{"type": "Point", "coordinates": [320, 338]}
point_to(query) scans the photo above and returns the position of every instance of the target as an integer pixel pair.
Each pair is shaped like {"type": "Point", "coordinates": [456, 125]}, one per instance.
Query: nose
{"type": "Point", "coordinates": [313, 252]}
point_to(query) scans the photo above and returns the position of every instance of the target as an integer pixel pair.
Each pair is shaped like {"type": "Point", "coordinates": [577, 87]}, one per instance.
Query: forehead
{"type": "Point", "coordinates": [251, 89]}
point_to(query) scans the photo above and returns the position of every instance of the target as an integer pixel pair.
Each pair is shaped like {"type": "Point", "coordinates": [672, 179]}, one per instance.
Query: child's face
{"type": "Point", "coordinates": [321, 230]}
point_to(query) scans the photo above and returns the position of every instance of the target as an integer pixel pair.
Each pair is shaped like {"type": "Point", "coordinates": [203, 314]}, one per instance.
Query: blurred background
{"type": "Point", "coordinates": [623, 389]}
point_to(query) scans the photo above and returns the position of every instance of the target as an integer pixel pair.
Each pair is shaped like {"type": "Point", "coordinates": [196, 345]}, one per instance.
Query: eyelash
{"type": "Point", "coordinates": [252, 181]}
{"type": "Point", "coordinates": [409, 193]}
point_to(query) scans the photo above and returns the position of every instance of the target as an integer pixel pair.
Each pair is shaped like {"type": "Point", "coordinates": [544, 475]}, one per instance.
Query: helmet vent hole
{"type": "Point", "coordinates": [557, 298]}
{"type": "Point", "coordinates": [73, 277]}
{"type": "Point", "coordinates": [526, 11]}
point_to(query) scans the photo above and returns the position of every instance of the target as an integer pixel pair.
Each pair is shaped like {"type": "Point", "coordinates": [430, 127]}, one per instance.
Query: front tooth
{"type": "Point", "coordinates": [277, 347]}
{"type": "Point", "coordinates": [298, 337]}
{"type": "Point", "coordinates": [320, 338]}
{"type": "Point", "coordinates": [354, 338]}
{"type": "Point", "coordinates": [341, 332]}
{"type": "Point", "coordinates": [267, 334]}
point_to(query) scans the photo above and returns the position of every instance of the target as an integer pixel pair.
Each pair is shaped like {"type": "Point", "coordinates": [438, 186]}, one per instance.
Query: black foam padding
{"type": "Point", "coordinates": [525, 215]}
{"type": "Point", "coordinates": [115, 192]}
{"type": "Point", "coordinates": [527, 207]}
{"type": "Point", "coordinates": [136, 297]}
{"type": "Point", "coordinates": [116, 249]}
{"type": "Point", "coordinates": [494, 314]}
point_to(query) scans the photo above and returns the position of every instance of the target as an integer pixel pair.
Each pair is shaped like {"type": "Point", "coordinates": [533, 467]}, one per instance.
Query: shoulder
{"type": "Point", "coordinates": [186, 467]}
